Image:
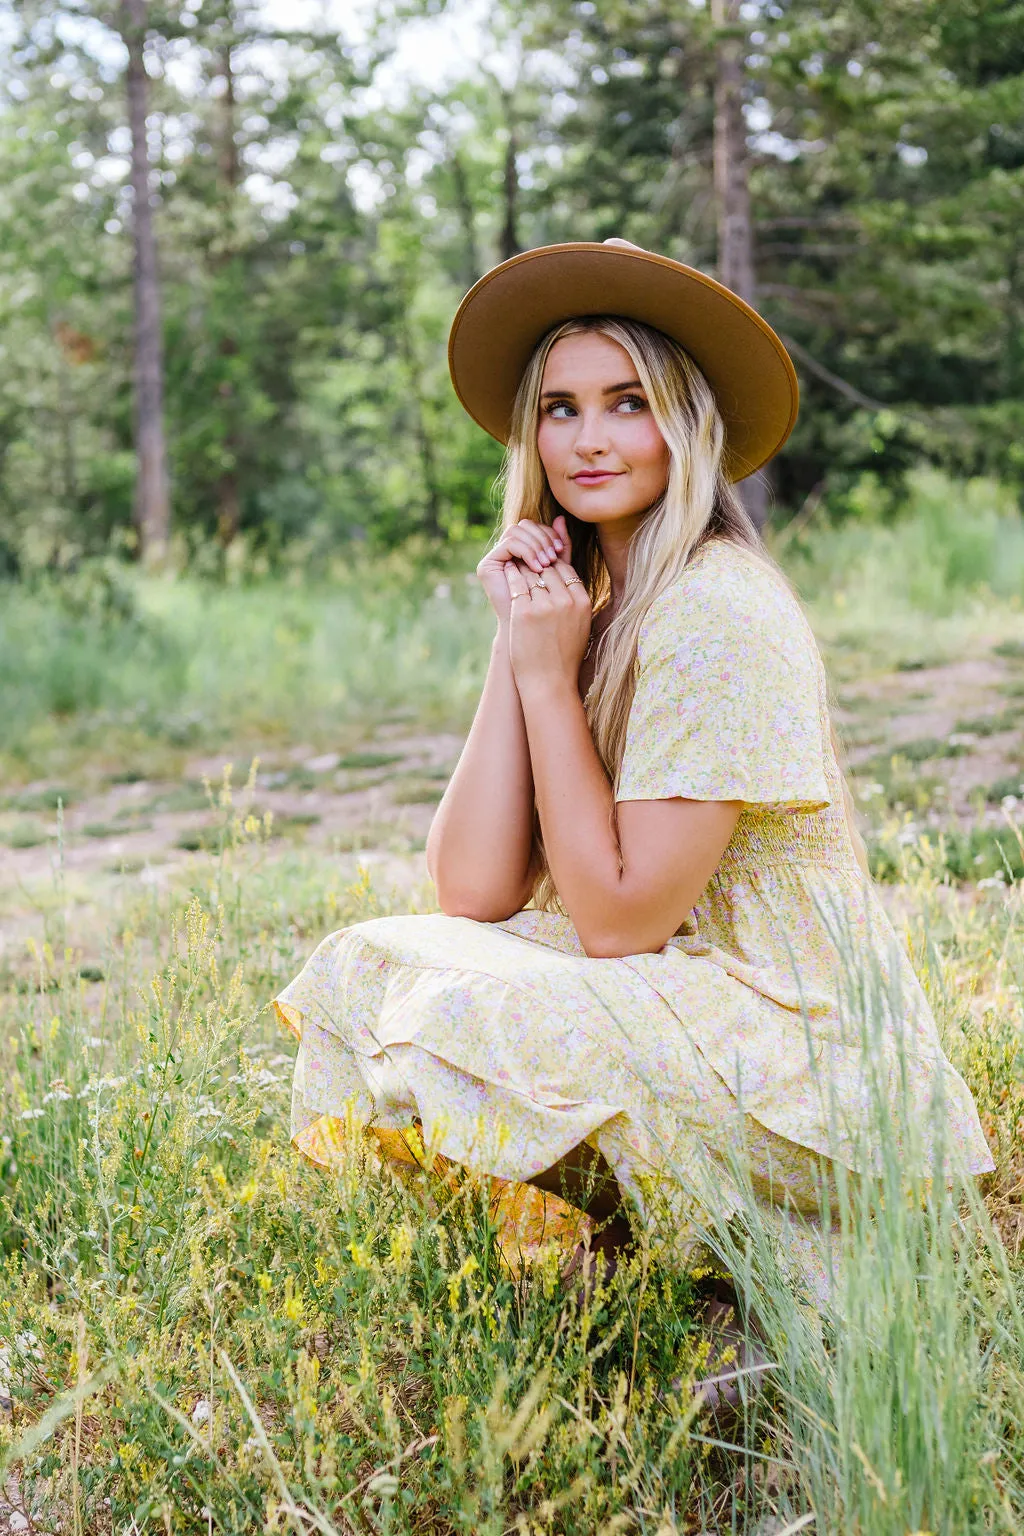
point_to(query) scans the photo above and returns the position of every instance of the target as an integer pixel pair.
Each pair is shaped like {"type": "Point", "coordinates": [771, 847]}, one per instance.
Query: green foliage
{"type": "Point", "coordinates": [948, 542]}
{"type": "Point", "coordinates": [317, 227]}
{"type": "Point", "coordinates": [172, 662]}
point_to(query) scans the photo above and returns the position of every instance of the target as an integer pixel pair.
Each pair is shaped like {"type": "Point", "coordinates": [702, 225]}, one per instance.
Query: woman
{"type": "Point", "coordinates": [652, 763]}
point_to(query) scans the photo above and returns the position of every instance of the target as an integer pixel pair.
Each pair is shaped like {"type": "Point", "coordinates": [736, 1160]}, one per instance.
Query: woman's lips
{"type": "Point", "coordinates": [596, 477]}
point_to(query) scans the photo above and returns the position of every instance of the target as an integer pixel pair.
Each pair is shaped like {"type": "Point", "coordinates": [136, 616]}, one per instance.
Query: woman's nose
{"type": "Point", "coordinates": [592, 433]}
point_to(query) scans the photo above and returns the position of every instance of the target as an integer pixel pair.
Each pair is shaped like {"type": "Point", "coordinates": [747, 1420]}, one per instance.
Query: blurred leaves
{"type": "Point", "coordinates": [319, 224]}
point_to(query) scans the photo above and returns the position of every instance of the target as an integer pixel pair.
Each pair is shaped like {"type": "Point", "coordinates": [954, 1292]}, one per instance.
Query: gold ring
{"type": "Point", "coordinates": [574, 581]}
{"type": "Point", "coordinates": [513, 595]}
{"type": "Point", "coordinates": [540, 582]}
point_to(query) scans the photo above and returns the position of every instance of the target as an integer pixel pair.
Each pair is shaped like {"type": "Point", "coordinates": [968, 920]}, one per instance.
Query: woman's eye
{"type": "Point", "coordinates": [635, 403]}
{"type": "Point", "coordinates": [558, 407]}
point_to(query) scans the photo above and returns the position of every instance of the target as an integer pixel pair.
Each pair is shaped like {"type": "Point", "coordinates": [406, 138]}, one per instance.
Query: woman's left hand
{"type": "Point", "coordinates": [550, 623]}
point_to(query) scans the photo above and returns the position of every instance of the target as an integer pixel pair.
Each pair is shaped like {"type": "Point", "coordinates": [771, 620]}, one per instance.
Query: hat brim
{"type": "Point", "coordinates": [505, 314]}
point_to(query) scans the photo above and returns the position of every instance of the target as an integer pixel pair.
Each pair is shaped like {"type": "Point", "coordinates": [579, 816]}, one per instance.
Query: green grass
{"type": "Point", "coordinates": [199, 1331]}
{"type": "Point", "coordinates": [24, 834]}
{"type": "Point", "coordinates": [170, 670]}
{"type": "Point", "coordinates": [136, 681]}
{"type": "Point", "coordinates": [249, 1333]}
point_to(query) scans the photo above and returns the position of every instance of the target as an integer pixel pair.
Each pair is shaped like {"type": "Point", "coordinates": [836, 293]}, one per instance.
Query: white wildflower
{"type": "Point", "coordinates": [201, 1412]}
{"type": "Point", "coordinates": [33, 1114]}
{"type": "Point", "coordinates": [992, 882]}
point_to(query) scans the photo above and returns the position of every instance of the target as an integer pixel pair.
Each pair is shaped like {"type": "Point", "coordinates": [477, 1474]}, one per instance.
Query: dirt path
{"type": "Point", "coordinates": [959, 727]}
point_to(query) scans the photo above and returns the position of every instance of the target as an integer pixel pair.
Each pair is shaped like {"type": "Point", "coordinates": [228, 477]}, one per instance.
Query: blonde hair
{"type": "Point", "coordinates": [698, 504]}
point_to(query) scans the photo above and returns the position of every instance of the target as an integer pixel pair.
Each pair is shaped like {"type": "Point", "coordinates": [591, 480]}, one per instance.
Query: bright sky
{"type": "Point", "coordinates": [431, 51]}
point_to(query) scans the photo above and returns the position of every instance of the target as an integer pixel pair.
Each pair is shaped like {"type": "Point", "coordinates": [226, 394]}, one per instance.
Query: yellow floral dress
{"type": "Point", "coordinates": [763, 1022]}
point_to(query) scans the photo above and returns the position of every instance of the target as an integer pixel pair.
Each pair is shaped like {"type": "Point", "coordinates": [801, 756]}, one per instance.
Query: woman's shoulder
{"type": "Point", "coordinates": [726, 589]}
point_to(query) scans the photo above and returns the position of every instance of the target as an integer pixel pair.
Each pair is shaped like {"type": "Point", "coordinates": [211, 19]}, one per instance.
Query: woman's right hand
{"type": "Point", "coordinates": [534, 544]}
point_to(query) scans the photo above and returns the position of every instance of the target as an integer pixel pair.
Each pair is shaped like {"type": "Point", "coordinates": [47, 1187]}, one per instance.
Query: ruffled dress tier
{"type": "Point", "coordinates": [766, 1027]}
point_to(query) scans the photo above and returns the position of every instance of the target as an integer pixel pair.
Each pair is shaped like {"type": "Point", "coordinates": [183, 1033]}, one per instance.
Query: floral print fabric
{"type": "Point", "coordinates": [767, 1024]}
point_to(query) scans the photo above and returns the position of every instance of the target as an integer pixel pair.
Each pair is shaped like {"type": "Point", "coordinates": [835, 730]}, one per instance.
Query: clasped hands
{"type": "Point", "coordinates": [541, 602]}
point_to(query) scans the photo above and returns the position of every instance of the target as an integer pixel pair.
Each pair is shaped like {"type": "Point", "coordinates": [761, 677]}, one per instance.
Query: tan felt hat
{"type": "Point", "coordinates": [505, 314]}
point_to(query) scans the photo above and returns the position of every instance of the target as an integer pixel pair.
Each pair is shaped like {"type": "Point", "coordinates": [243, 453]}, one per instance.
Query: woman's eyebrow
{"type": "Point", "coordinates": [611, 389]}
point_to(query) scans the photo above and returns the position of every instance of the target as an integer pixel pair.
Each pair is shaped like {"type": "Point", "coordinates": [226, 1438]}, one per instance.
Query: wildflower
{"type": "Point", "coordinates": [361, 1256]}
{"type": "Point", "coordinates": [293, 1306]}
{"type": "Point", "coordinates": [992, 882]}
{"type": "Point", "coordinates": [201, 1412]}
{"type": "Point", "coordinates": [465, 1270]}
{"type": "Point", "coordinates": [33, 1114]}
{"type": "Point", "coordinates": [401, 1246]}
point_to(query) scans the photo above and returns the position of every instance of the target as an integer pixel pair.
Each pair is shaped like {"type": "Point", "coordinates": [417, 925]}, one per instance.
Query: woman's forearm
{"type": "Point", "coordinates": [576, 807]}
{"type": "Point", "coordinates": [480, 843]}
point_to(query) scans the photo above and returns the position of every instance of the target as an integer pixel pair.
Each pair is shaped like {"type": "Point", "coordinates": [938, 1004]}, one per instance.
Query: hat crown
{"type": "Point", "coordinates": [508, 311]}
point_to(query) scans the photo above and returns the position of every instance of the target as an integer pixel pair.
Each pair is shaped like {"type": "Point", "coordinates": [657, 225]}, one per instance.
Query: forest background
{"type": "Point", "coordinates": [315, 210]}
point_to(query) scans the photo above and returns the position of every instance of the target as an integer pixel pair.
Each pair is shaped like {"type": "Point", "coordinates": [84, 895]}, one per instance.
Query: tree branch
{"type": "Point", "coordinates": [832, 379]}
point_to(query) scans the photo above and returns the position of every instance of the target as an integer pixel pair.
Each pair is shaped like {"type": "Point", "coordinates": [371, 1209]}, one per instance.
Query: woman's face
{"type": "Point", "coordinates": [602, 452]}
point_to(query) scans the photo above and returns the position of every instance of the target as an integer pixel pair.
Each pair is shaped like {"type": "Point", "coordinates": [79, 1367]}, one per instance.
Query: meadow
{"type": "Point", "coordinates": [200, 1332]}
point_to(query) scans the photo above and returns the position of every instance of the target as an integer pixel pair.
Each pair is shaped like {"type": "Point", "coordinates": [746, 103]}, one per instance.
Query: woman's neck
{"type": "Point", "coordinates": [615, 539]}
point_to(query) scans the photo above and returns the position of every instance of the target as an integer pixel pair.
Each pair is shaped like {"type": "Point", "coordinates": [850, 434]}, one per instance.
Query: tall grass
{"type": "Point", "coordinates": [200, 1332]}
{"type": "Point", "coordinates": [951, 542]}
{"type": "Point", "coordinates": [106, 661]}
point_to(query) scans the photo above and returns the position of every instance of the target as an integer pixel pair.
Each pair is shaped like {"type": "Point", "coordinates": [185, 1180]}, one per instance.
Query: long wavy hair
{"type": "Point", "coordinates": [698, 503]}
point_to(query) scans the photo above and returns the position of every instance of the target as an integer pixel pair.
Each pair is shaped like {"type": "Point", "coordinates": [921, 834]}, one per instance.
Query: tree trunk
{"type": "Point", "coordinates": [66, 417]}
{"type": "Point", "coordinates": [732, 189]}
{"type": "Point", "coordinates": [424, 442]}
{"type": "Point", "coordinates": [467, 218]}
{"type": "Point", "coordinates": [229, 501]}
{"type": "Point", "coordinates": [152, 497]}
{"type": "Point", "coordinates": [509, 244]}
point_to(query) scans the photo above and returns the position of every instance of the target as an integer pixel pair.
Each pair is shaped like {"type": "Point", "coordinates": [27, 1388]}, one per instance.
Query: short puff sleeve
{"type": "Point", "coordinates": [727, 703]}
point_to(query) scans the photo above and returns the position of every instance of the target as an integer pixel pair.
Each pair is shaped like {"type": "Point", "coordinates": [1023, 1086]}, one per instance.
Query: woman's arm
{"type": "Point", "coordinates": [628, 878]}
{"type": "Point", "coordinates": [481, 839]}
